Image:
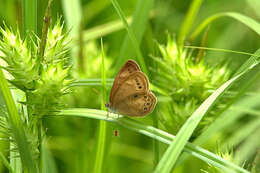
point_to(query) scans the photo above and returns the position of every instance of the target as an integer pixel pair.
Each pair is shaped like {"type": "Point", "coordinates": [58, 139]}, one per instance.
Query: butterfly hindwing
{"type": "Point", "coordinates": [139, 104]}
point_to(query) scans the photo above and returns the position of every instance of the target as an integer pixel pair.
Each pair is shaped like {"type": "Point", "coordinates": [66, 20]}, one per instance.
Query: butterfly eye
{"type": "Point", "coordinates": [139, 87]}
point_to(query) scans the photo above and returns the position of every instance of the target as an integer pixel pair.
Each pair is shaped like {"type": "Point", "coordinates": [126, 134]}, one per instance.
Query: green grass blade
{"type": "Point", "coordinates": [188, 21]}
{"type": "Point", "coordinates": [104, 29]}
{"type": "Point", "coordinates": [154, 133]}
{"type": "Point", "coordinates": [72, 13]}
{"type": "Point", "coordinates": [29, 8]}
{"type": "Point", "coordinates": [243, 132]}
{"type": "Point", "coordinates": [131, 35]}
{"type": "Point", "coordinates": [73, 17]}
{"type": "Point", "coordinates": [17, 127]}
{"type": "Point", "coordinates": [226, 119]}
{"type": "Point", "coordinates": [229, 116]}
{"type": "Point", "coordinates": [250, 63]}
{"type": "Point", "coordinates": [249, 22]}
{"type": "Point", "coordinates": [138, 26]}
{"type": "Point", "coordinates": [99, 163]}
{"type": "Point", "coordinates": [220, 50]}
{"type": "Point", "coordinates": [174, 150]}
{"type": "Point", "coordinates": [5, 162]}
{"type": "Point", "coordinates": [93, 8]}
{"type": "Point", "coordinates": [49, 165]}
{"type": "Point", "coordinates": [247, 148]}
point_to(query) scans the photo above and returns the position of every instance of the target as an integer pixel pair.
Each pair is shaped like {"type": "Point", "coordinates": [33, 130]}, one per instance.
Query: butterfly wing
{"type": "Point", "coordinates": [128, 68]}
{"type": "Point", "coordinates": [137, 82]}
{"type": "Point", "coordinates": [138, 105]}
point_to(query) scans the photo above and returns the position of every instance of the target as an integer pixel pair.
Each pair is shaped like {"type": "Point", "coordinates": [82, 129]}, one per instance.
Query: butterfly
{"type": "Point", "coordinates": [130, 94]}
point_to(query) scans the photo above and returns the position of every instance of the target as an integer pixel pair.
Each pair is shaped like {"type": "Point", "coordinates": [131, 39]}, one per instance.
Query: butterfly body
{"type": "Point", "coordinates": [130, 94]}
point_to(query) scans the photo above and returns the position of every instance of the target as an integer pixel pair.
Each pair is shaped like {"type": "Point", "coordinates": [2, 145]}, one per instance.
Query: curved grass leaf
{"type": "Point", "coordinates": [174, 150]}
{"type": "Point", "coordinates": [48, 160]}
{"type": "Point", "coordinates": [29, 16]}
{"type": "Point", "coordinates": [249, 22]}
{"type": "Point", "coordinates": [248, 148]}
{"type": "Point", "coordinates": [131, 35]}
{"type": "Point", "coordinates": [5, 162]}
{"type": "Point", "coordinates": [99, 162]}
{"type": "Point", "coordinates": [243, 132]}
{"type": "Point", "coordinates": [188, 21]}
{"type": "Point", "coordinates": [104, 29]}
{"type": "Point", "coordinates": [228, 116]}
{"type": "Point", "coordinates": [17, 127]}
{"type": "Point", "coordinates": [138, 26]}
{"type": "Point", "coordinates": [171, 155]}
{"type": "Point", "coordinates": [154, 133]}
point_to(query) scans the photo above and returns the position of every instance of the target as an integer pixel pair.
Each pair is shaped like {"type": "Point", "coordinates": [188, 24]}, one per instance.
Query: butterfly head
{"type": "Point", "coordinates": [107, 105]}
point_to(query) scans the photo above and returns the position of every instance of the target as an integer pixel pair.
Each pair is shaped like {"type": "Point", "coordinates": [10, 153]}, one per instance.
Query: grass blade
{"type": "Point", "coordinates": [29, 8]}
{"type": "Point", "coordinates": [138, 26]}
{"type": "Point", "coordinates": [48, 160]}
{"type": "Point", "coordinates": [17, 127]}
{"type": "Point", "coordinates": [102, 124]}
{"type": "Point", "coordinates": [188, 21]}
{"type": "Point", "coordinates": [249, 22]}
{"type": "Point", "coordinates": [248, 148]}
{"type": "Point", "coordinates": [154, 133]}
{"type": "Point", "coordinates": [173, 152]}
{"type": "Point", "coordinates": [104, 29]}
{"type": "Point", "coordinates": [72, 13]}
{"type": "Point", "coordinates": [5, 162]}
{"type": "Point", "coordinates": [243, 132]}
{"type": "Point", "coordinates": [131, 35]}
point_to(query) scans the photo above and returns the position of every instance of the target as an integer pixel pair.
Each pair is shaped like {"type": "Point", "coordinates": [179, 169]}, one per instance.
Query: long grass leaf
{"type": "Point", "coordinates": [228, 117]}
{"type": "Point", "coordinates": [138, 27]}
{"type": "Point", "coordinates": [48, 160]}
{"type": "Point", "coordinates": [249, 22]}
{"type": "Point", "coordinates": [154, 133]}
{"type": "Point", "coordinates": [104, 29]}
{"type": "Point", "coordinates": [73, 17]}
{"type": "Point", "coordinates": [99, 163]}
{"type": "Point", "coordinates": [5, 162]}
{"type": "Point", "coordinates": [174, 150]}
{"type": "Point", "coordinates": [248, 148]}
{"type": "Point", "coordinates": [29, 8]}
{"type": "Point", "coordinates": [188, 21]}
{"type": "Point", "coordinates": [243, 133]}
{"type": "Point", "coordinates": [17, 127]}
{"type": "Point", "coordinates": [131, 35]}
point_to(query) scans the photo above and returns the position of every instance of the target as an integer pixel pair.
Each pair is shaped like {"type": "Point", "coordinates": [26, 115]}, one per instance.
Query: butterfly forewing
{"type": "Point", "coordinates": [135, 83]}
{"type": "Point", "coordinates": [128, 68]}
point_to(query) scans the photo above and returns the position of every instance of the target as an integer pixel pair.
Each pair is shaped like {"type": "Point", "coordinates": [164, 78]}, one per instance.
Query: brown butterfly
{"type": "Point", "coordinates": [130, 94]}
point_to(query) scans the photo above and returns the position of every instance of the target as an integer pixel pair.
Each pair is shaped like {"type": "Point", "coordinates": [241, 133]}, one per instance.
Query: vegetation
{"type": "Point", "coordinates": [202, 59]}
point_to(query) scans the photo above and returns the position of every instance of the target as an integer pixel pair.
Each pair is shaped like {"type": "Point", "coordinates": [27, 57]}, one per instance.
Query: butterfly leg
{"type": "Point", "coordinates": [108, 110]}
{"type": "Point", "coordinates": [107, 114]}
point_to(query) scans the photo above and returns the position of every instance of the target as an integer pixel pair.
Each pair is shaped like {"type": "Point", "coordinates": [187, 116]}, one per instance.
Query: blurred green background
{"type": "Point", "coordinates": [73, 141]}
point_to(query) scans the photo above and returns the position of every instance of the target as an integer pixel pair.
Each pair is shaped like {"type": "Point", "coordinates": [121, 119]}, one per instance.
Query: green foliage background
{"type": "Point", "coordinates": [180, 79]}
